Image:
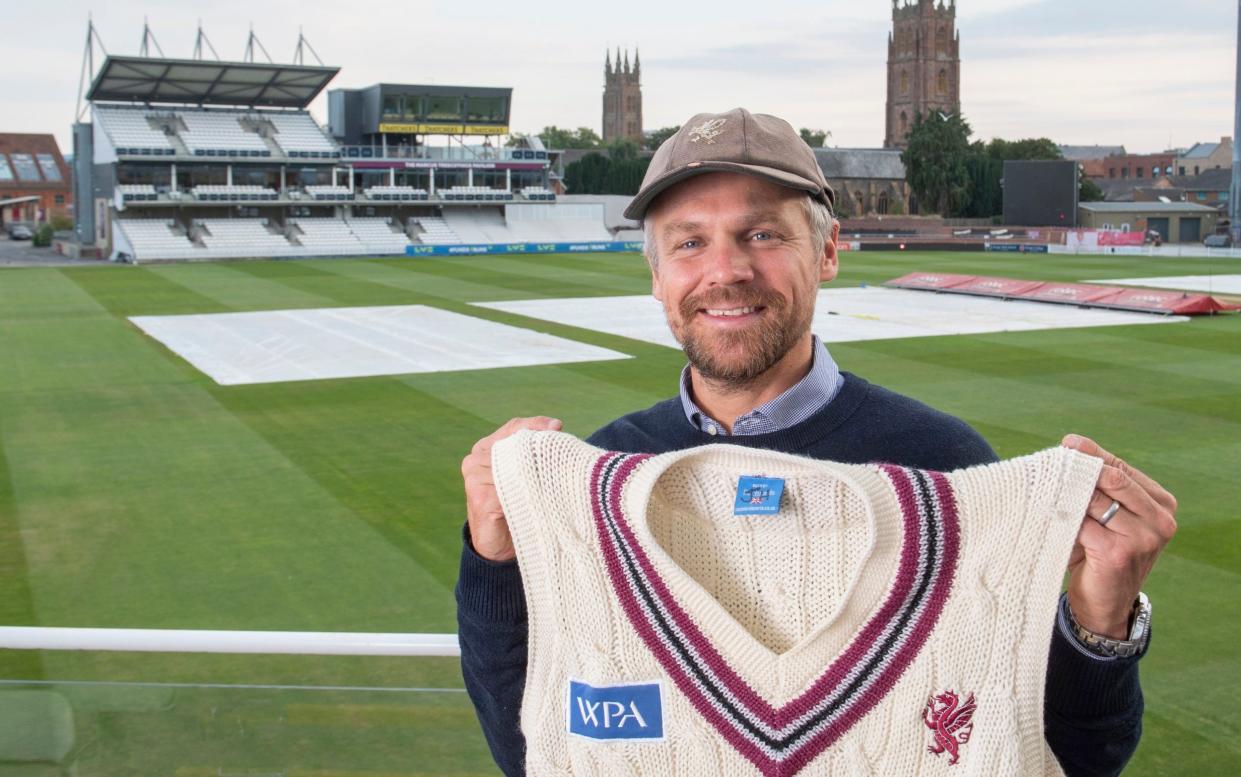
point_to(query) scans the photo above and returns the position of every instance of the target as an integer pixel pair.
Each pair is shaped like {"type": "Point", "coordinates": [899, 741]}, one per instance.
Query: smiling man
{"type": "Point", "coordinates": [739, 233]}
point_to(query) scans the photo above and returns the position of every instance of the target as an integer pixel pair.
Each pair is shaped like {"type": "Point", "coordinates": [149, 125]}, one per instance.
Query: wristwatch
{"type": "Point", "coordinates": [1139, 633]}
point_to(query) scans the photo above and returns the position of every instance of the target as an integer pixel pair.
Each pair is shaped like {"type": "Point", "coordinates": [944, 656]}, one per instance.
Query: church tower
{"type": "Point", "coordinates": [924, 65]}
{"type": "Point", "coordinates": [622, 99]}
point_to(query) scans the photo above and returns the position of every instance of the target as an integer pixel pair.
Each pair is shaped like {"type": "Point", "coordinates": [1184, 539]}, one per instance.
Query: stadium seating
{"type": "Point", "coordinates": [326, 237]}
{"type": "Point", "coordinates": [215, 193]}
{"type": "Point", "coordinates": [137, 192]}
{"type": "Point", "coordinates": [131, 132]}
{"type": "Point", "coordinates": [300, 136]}
{"type": "Point", "coordinates": [220, 134]}
{"type": "Point", "coordinates": [395, 193]}
{"type": "Point", "coordinates": [330, 193]}
{"type": "Point", "coordinates": [158, 239]}
{"type": "Point", "coordinates": [378, 235]}
{"type": "Point", "coordinates": [435, 231]}
{"type": "Point", "coordinates": [474, 194]}
{"type": "Point", "coordinates": [244, 237]}
{"type": "Point", "coordinates": [538, 193]}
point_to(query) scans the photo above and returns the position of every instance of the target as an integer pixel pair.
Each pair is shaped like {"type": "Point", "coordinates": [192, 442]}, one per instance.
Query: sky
{"type": "Point", "coordinates": [1139, 73]}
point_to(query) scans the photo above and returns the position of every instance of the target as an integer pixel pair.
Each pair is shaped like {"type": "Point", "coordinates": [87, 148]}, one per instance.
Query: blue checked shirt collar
{"type": "Point", "coordinates": [792, 407]}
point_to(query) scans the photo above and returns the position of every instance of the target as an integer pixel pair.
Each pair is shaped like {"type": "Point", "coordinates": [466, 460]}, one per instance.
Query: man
{"type": "Point", "coordinates": [739, 235]}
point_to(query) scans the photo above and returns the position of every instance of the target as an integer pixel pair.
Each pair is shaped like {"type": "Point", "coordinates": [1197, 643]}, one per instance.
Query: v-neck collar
{"type": "Point", "coordinates": [669, 613]}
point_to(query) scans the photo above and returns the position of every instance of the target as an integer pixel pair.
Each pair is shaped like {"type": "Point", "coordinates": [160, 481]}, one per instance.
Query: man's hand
{"type": "Point", "coordinates": [488, 530]}
{"type": "Point", "coordinates": [1110, 563]}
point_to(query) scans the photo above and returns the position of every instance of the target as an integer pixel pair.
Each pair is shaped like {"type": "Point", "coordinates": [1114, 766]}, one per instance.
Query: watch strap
{"type": "Point", "coordinates": [1139, 633]}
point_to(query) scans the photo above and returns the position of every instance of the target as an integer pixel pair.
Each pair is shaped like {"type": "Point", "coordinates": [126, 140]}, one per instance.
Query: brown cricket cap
{"type": "Point", "coordinates": [736, 142]}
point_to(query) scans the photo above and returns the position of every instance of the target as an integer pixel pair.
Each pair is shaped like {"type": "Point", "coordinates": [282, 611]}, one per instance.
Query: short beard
{"type": "Point", "coordinates": [762, 346]}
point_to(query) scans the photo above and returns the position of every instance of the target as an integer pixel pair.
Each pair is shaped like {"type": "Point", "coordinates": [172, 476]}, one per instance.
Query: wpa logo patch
{"type": "Point", "coordinates": [631, 711]}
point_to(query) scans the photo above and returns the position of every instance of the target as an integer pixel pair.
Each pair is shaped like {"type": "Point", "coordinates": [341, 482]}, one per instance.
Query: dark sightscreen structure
{"type": "Point", "coordinates": [1040, 193]}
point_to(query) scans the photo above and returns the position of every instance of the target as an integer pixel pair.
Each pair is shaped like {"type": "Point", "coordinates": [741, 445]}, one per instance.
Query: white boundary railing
{"type": "Point", "coordinates": [324, 643]}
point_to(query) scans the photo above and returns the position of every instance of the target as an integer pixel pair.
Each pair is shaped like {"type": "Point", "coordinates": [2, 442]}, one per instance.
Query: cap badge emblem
{"type": "Point", "coordinates": [707, 131]}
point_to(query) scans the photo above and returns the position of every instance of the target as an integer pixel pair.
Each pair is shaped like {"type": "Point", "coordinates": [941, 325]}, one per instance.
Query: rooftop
{"type": "Point", "coordinates": [1081, 153]}
{"type": "Point", "coordinates": [1145, 207]}
{"type": "Point", "coordinates": [207, 82]}
{"type": "Point", "coordinates": [845, 163]}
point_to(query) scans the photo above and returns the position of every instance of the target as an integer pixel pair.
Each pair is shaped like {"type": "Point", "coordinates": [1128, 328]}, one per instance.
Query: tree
{"type": "Point", "coordinates": [622, 149]}
{"type": "Point", "coordinates": [1089, 191]}
{"type": "Point", "coordinates": [986, 195]}
{"type": "Point", "coordinates": [815, 138]}
{"type": "Point", "coordinates": [656, 138]}
{"type": "Point", "coordinates": [1024, 149]}
{"type": "Point", "coordinates": [935, 161]}
{"type": "Point", "coordinates": [595, 173]}
{"type": "Point", "coordinates": [558, 138]}
{"type": "Point", "coordinates": [587, 175]}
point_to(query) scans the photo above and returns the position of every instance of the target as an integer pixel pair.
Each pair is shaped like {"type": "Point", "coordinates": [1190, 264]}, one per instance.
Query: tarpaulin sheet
{"type": "Point", "coordinates": [282, 345]}
{"type": "Point", "coordinates": [1083, 294]}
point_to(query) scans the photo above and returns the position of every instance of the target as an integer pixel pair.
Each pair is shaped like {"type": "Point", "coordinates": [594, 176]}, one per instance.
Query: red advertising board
{"type": "Point", "coordinates": [1113, 238]}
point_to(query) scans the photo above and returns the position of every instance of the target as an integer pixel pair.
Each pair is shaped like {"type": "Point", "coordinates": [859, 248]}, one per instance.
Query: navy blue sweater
{"type": "Point", "coordinates": [1093, 708]}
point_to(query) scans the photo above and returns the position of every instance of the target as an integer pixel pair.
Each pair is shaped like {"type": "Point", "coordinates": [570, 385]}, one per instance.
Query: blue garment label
{"type": "Point", "coordinates": [631, 711]}
{"type": "Point", "coordinates": [758, 496]}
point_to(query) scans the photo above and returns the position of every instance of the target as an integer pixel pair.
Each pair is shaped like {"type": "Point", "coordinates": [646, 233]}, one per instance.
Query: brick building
{"type": "Point", "coordinates": [34, 179]}
{"type": "Point", "coordinates": [924, 65]}
{"type": "Point", "coordinates": [1131, 166]}
{"type": "Point", "coordinates": [1205, 156]}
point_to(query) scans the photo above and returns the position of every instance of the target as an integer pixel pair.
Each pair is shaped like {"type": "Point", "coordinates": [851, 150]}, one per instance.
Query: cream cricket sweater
{"type": "Point", "coordinates": [885, 621]}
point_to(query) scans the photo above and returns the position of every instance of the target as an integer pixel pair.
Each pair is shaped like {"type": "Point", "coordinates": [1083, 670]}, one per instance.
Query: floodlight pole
{"type": "Point", "coordinates": [1234, 193]}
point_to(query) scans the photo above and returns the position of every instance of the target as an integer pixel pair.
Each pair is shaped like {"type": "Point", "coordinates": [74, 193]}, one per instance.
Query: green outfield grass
{"type": "Point", "coordinates": [134, 492]}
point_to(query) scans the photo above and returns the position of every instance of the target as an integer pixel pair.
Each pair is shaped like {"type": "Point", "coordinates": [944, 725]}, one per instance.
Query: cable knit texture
{"type": "Point", "coordinates": [837, 637]}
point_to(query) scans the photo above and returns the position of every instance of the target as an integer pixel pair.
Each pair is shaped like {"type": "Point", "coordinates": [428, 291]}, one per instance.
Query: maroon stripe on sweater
{"type": "Point", "coordinates": [606, 504]}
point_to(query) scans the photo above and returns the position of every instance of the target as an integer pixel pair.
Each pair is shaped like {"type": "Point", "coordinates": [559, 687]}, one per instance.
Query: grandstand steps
{"type": "Point", "coordinates": [272, 145]}
{"type": "Point", "coordinates": [177, 143]}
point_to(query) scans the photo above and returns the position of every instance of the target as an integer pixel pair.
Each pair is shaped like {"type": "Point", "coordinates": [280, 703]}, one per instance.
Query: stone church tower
{"type": "Point", "coordinates": [622, 99]}
{"type": "Point", "coordinates": [924, 65]}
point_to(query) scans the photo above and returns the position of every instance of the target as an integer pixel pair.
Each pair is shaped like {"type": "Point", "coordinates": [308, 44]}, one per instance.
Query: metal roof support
{"type": "Point", "coordinates": [303, 45]}
{"type": "Point", "coordinates": [88, 64]}
{"type": "Point", "coordinates": [251, 42]}
{"type": "Point", "coordinates": [199, 41]}
{"type": "Point", "coordinates": [148, 37]}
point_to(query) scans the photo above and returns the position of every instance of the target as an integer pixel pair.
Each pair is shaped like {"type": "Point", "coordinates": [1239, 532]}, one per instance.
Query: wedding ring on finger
{"type": "Point", "coordinates": [1109, 513]}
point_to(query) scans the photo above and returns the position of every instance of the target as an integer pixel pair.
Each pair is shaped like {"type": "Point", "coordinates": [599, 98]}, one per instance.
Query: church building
{"type": "Point", "coordinates": [622, 99]}
{"type": "Point", "coordinates": [924, 65]}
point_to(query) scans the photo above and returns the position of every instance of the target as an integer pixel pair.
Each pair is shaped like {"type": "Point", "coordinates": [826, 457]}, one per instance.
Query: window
{"type": "Point", "coordinates": [48, 165]}
{"type": "Point", "coordinates": [1139, 171]}
{"type": "Point", "coordinates": [1155, 171]}
{"type": "Point", "coordinates": [25, 167]}
{"type": "Point", "coordinates": [392, 107]}
{"type": "Point", "coordinates": [941, 40]}
{"type": "Point", "coordinates": [1182, 170]}
{"type": "Point", "coordinates": [6, 173]}
{"type": "Point", "coordinates": [60, 199]}
{"type": "Point", "coordinates": [883, 204]}
{"type": "Point", "coordinates": [1124, 172]}
{"type": "Point", "coordinates": [1111, 172]}
{"type": "Point", "coordinates": [484, 109]}
{"type": "Point", "coordinates": [904, 82]}
{"type": "Point", "coordinates": [1167, 170]}
{"type": "Point", "coordinates": [1202, 195]}
{"type": "Point", "coordinates": [941, 82]}
{"type": "Point", "coordinates": [441, 108]}
{"type": "Point", "coordinates": [1196, 171]}
{"type": "Point", "coordinates": [904, 124]}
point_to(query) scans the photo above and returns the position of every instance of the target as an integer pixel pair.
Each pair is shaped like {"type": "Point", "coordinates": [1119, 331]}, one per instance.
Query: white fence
{"type": "Point", "coordinates": [203, 641]}
{"type": "Point", "coordinates": [1170, 251]}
